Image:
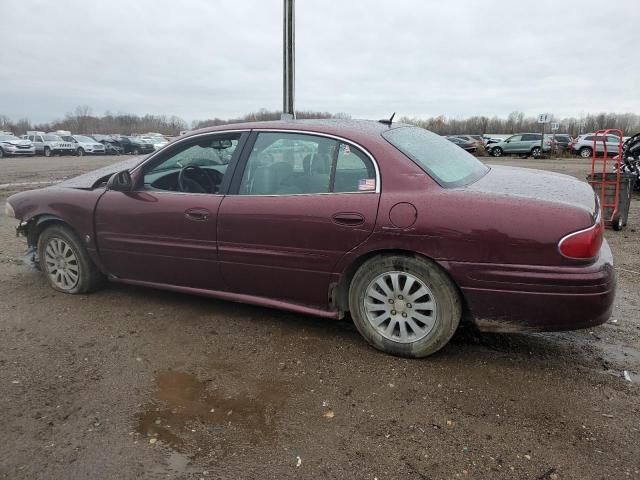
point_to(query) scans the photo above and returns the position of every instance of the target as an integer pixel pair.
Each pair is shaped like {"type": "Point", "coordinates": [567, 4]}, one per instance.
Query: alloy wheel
{"type": "Point", "coordinates": [61, 264]}
{"type": "Point", "coordinates": [400, 306]}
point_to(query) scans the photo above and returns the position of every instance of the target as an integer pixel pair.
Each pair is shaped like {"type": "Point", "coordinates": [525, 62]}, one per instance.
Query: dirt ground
{"type": "Point", "coordinates": [136, 383]}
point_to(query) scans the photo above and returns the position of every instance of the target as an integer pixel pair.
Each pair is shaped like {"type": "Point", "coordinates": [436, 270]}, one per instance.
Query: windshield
{"type": "Point", "coordinates": [8, 137]}
{"type": "Point", "coordinates": [52, 138]}
{"type": "Point", "coordinates": [83, 139]}
{"type": "Point", "coordinates": [448, 164]}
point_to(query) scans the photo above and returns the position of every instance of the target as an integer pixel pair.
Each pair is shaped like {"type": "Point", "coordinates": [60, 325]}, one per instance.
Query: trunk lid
{"type": "Point", "coordinates": [538, 185]}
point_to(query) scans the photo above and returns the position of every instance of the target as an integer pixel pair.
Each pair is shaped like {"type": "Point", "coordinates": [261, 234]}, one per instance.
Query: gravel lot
{"type": "Point", "coordinates": [136, 383]}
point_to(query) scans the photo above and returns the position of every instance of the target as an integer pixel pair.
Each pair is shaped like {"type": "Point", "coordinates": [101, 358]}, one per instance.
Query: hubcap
{"type": "Point", "coordinates": [62, 264]}
{"type": "Point", "coordinates": [400, 307]}
{"type": "Point", "coordinates": [586, 153]}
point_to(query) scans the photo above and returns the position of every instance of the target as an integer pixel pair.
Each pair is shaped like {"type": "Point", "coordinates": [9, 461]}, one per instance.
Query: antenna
{"type": "Point", "coordinates": [388, 122]}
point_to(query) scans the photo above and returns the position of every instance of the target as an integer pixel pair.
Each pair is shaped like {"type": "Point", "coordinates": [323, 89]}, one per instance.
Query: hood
{"type": "Point", "coordinates": [89, 180]}
{"type": "Point", "coordinates": [537, 185]}
{"type": "Point", "coordinates": [17, 142]}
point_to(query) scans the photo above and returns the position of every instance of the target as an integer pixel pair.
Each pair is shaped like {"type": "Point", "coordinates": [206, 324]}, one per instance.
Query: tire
{"type": "Point", "coordinates": [47, 152]}
{"type": "Point", "coordinates": [1, 153]}
{"type": "Point", "coordinates": [535, 152]}
{"type": "Point", "coordinates": [496, 152]}
{"type": "Point", "coordinates": [80, 152]}
{"type": "Point", "coordinates": [136, 151]}
{"type": "Point", "coordinates": [617, 223]}
{"type": "Point", "coordinates": [585, 152]}
{"type": "Point", "coordinates": [65, 261]}
{"type": "Point", "coordinates": [432, 327]}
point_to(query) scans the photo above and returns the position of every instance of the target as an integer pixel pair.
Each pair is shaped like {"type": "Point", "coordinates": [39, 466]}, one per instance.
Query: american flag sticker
{"type": "Point", "coordinates": [367, 184]}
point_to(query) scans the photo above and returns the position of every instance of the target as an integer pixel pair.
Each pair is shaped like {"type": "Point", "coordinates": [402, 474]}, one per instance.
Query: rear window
{"type": "Point", "coordinates": [444, 161]}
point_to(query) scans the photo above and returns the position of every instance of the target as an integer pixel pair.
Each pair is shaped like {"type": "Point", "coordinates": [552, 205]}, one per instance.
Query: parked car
{"type": "Point", "coordinates": [466, 145]}
{"type": "Point", "coordinates": [562, 140]}
{"type": "Point", "coordinates": [49, 144]}
{"type": "Point", "coordinates": [477, 140]}
{"type": "Point", "coordinates": [390, 222]}
{"type": "Point", "coordinates": [12, 145]}
{"type": "Point", "coordinates": [83, 143]}
{"type": "Point", "coordinates": [489, 140]}
{"type": "Point", "coordinates": [522, 144]}
{"type": "Point", "coordinates": [157, 141]}
{"type": "Point", "coordinates": [134, 146]}
{"type": "Point", "coordinates": [583, 145]}
{"type": "Point", "coordinates": [112, 147]}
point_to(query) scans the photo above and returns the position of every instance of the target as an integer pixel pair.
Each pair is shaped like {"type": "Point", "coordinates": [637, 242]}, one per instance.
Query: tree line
{"type": "Point", "coordinates": [82, 120]}
{"type": "Point", "coordinates": [516, 122]}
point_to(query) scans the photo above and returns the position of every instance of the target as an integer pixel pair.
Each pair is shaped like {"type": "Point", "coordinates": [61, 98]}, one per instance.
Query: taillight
{"type": "Point", "coordinates": [583, 244]}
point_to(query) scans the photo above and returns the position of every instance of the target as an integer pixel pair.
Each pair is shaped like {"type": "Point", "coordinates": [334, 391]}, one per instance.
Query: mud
{"type": "Point", "coordinates": [135, 383]}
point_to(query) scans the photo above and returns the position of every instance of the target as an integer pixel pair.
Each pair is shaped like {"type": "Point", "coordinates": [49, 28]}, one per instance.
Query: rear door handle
{"type": "Point", "coordinates": [348, 218]}
{"type": "Point", "coordinates": [197, 214]}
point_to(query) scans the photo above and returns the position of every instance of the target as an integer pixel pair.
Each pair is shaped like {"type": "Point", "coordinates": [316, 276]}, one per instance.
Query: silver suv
{"type": "Point", "coordinates": [49, 144]}
{"type": "Point", "coordinates": [583, 145]}
{"type": "Point", "coordinates": [83, 143]}
{"type": "Point", "coordinates": [521, 143]}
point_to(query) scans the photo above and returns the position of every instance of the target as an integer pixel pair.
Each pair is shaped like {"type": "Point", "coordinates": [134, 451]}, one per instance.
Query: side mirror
{"type": "Point", "coordinates": [120, 182]}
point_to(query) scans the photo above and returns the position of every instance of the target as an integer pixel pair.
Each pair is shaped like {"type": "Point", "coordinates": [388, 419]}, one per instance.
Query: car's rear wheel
{"type": "Point", "coordinates": [136, 151]}
{"type": "Point", "coordinates": [404, 306]}
{"type": "Point", "coordinates": [496, 152]}
{"type": "Point", "coordinates": [536, 152]}
{"type": "Point", "coordinates": [585, 152]}
{"type": "Point", "coordinates": [66, 262]}
{"type": "Point", "coordinates": [47, 152]}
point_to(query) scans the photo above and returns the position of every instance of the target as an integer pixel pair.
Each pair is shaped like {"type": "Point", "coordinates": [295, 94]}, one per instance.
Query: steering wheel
{"type": "Point", "coordinates": [193, 185]}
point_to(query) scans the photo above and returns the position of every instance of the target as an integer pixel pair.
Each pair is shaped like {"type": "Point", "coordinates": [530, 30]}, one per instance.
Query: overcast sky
{"type": "Point", "coordinates": [201, 59]}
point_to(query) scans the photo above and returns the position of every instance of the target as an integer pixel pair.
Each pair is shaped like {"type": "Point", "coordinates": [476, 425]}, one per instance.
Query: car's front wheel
{"type": "Point", "coordinates": [404, 306]}
{"type": "Point", "coordinates": [66, 262]}
{"type": "Point", "coordinates": [47, 152]}
{"type": "Point", "coordinates": [496, 152]}
{"type": "Point", "coordinates": [136, 151]}
{"type": "Point", "coordinates": [585, 152]}
{"type": "Point", "coordinates": [80, 152]}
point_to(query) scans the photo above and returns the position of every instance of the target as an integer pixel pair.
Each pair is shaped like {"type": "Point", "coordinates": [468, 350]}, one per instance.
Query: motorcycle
{"type": "Point", "coordinates": [631, 158]}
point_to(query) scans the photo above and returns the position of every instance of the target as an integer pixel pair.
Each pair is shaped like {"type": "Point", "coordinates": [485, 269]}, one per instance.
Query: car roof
{"type": "Point", "coordinates": [352, 129]}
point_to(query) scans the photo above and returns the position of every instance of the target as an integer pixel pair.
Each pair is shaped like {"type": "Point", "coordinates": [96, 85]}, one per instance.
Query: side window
{"type": "Point", "coordinates": [589, 138]}
{"type": "Point", "coordinates": [287, 164]}
{"type": "Point", "coordinates": [38, 138]}
{"type": "Point", "coordinates": [354, 171]}
{"type": "Point", "coordinates": [197, 166]}
{"type": "Point", "coordinates": [515, 138]}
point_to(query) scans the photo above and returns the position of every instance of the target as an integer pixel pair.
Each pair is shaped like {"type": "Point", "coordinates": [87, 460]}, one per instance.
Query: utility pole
{"type": "Point", "coordinates": [289, 77]}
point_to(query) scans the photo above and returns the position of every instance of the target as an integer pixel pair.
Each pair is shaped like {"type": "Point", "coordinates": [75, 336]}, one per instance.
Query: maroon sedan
{"type": "Point", "coordinates": [389, 222]}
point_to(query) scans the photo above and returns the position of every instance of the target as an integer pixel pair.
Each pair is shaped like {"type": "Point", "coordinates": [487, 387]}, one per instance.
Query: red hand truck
{"type": "Point", "coordinates": [607, 184]}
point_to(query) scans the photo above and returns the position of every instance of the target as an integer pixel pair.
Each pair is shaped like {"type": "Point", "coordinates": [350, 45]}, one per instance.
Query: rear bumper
{"type": "Point", "coordinates": [510, 298]}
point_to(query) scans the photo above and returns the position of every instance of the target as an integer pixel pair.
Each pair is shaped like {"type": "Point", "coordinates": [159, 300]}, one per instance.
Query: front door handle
{"type": "Point", "coordinates": [348, 218]}
{"type": "Point", "coordinates": [197, 214]}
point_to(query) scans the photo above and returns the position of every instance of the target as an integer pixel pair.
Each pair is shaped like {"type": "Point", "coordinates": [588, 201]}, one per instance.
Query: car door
{"type": "Point", "coordinates": [512, 144]}
{"type": "Point", "coordinates": [299, 202]}
{"type": "Point", "coordinates": [164, 230]}
{"type": "Point", "coordinates": [39, 143]}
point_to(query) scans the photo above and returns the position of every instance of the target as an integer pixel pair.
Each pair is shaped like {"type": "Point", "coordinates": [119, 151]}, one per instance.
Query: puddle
{"type": "Point", "coordinates": [197, 417]}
